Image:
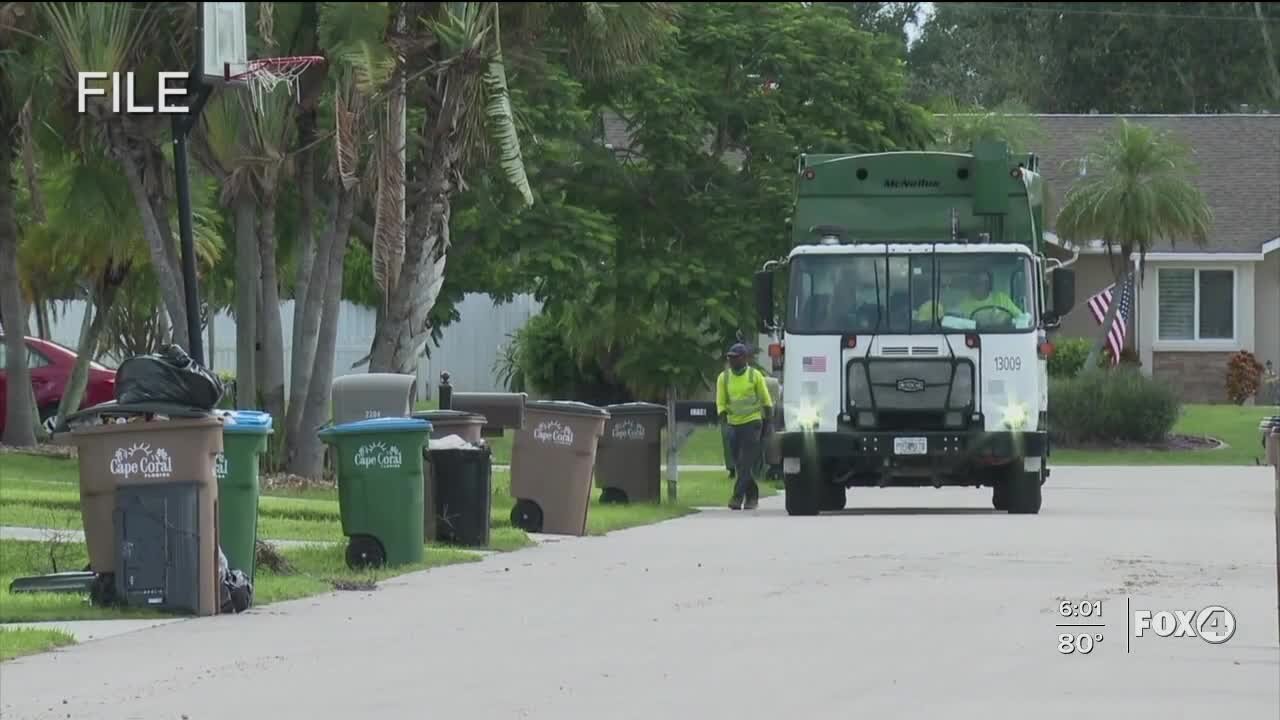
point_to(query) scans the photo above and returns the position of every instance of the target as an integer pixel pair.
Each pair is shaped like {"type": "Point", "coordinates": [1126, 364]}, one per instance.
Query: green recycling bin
{"type": "Point", "coordinates": [244, 439]}
{"type": "Point", "coordinates": [380, 488]}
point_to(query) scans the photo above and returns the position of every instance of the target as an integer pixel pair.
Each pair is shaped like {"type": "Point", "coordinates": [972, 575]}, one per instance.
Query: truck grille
{"type": "Point", "coordinates": [910, 385]}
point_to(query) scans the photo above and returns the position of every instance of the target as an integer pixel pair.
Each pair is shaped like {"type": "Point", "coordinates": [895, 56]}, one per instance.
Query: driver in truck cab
{"type": "Point", "coordinates": [983, 295]}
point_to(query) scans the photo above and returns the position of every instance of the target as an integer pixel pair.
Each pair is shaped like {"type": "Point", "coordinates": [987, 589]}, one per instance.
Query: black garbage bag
{"type": "Point", "coordinates": [170, 376]}
{"type": "Point", "coordinates": [235, 592]}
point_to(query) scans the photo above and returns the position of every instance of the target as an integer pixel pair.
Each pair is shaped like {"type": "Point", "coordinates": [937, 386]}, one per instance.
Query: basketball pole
{"type": "Point", "coordinates": [182, 126]}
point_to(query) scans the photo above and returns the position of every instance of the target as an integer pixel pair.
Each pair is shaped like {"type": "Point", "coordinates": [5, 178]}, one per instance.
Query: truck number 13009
{"type": "Point", "coordinates": [1011, 363]}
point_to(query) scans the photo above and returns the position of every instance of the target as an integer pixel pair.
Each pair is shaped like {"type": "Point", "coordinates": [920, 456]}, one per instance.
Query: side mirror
{"type": "Point", "coordinates": [1064, 291]}
{"type": "Point", "coordinates": [764, 300]}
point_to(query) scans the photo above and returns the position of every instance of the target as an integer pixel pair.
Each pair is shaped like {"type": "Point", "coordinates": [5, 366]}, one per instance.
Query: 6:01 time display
{"type": "Point", "coordinates": [1080, 609]}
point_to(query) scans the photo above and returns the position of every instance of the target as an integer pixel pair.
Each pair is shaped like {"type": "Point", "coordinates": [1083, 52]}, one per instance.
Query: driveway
{"type": "Point", "coordinates": [920, 603]}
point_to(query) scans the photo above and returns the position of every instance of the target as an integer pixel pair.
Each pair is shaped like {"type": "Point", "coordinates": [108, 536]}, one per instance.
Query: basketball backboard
{"type": "Point", "coordinates": [224, 51]}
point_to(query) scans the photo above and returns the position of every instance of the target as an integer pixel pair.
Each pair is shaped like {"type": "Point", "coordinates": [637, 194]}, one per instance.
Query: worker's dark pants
{"type": "Point", "coordinates": [745, 447]}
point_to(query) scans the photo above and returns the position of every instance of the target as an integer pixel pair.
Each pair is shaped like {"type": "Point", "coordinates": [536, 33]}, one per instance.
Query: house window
{"type": "Point", "coordinates": [1196, 304]}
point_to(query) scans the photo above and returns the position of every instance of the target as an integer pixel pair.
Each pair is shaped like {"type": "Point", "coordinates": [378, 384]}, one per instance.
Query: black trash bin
{"type": "Point", "coordinates": [629, 457]}
{"type": "Point", "coordinates": [462, 495]}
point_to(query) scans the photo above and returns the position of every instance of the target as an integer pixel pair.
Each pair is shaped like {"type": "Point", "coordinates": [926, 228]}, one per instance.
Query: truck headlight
{"type": "Point", "coordinates": [1016, 416]}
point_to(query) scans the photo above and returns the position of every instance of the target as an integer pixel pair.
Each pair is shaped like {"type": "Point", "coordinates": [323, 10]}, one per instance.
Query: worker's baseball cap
{"type": "Point", "coordinates": [738, 350]}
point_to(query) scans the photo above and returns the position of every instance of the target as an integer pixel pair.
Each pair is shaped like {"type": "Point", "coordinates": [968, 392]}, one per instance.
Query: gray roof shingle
{"type": "Point", "coordinates": [1237, 158]}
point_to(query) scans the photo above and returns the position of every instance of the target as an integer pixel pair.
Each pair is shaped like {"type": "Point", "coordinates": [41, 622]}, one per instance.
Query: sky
{"type": "Point", "coordinates": [913, 30]}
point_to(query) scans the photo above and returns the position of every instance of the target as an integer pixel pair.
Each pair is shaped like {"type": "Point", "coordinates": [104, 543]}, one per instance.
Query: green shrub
{"type": "Point", "coordinates": [1111, 407]}
{"type": "Point", "coordinates": [1069, 356]}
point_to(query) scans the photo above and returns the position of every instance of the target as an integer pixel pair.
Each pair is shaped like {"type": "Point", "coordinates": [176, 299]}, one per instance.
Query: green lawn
{"type": "Point", "coordinates": [43, 492]}
{"type": "Point", "coordinates": [314, 570]}
{"type": "Point", "coordinates": [1234, 425]}
{"type": "Point", "coordinates": [16, 642]}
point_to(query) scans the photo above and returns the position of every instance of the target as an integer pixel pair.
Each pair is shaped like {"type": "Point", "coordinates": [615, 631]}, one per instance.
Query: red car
{"type": "Point", "coordinates": [51, 365]}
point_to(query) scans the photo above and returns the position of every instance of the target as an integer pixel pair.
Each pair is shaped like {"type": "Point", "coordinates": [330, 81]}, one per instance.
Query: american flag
{"type": "Point", "coordinates": [814, 364]}
{"type": "Point", "coordinates": [1101, 302]}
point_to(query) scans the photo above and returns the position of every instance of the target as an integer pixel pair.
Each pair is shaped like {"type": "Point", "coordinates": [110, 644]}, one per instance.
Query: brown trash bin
{"type": "Point", "coordinates": [149, 453]}
{"type": "Point", "coordinates": [629, 457]}
{"type": "Point", "coordinates": [552, 460]}
{"type": "Point", "coordinates": [466, 425]}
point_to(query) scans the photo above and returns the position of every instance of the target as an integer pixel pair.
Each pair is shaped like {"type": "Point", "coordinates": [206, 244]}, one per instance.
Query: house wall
{"type": "Point", "coordinates": [1196, 367]}
{"type": "Point", "coordinates": [1093, 273]}
{"type": "Point", "coordinates": [1267, 310]}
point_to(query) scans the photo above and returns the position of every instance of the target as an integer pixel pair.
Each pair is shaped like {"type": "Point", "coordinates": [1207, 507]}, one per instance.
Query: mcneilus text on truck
{"type": "Point", "coordinates": [913, 345]}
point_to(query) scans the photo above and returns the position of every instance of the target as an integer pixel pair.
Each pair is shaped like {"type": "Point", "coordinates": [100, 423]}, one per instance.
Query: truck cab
{"type": "Point", "coordinates": [913, 341]}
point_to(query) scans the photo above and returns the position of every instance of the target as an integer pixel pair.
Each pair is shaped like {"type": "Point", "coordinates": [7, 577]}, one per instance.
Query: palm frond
{"type": "Point", "coordinates": [388, 226]}
{"type": "Point", "coordinates": [1136, 189]}
{"type": "Point", "coordinates": [502, 127]}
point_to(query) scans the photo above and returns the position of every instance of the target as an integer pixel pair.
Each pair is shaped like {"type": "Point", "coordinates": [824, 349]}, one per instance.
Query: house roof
{"type": "Point", "coordinates": [1238, 159]}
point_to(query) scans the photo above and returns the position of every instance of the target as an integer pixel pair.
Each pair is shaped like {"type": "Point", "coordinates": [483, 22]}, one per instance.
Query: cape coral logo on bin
{"type": "Point", "coordinates": [628, 430]}
{"type": "Point", "coordinates": [553, 433]}
{"type": "Point", "coordinates": [142, 460]}
{"type": "Point", "coordinates": [220, 466]}
{"type": "Point", "coordinates": [379, 455]}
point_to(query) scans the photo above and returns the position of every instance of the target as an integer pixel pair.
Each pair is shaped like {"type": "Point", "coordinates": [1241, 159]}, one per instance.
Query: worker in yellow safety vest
{"type": "Point", "coordinates": [745, 406]}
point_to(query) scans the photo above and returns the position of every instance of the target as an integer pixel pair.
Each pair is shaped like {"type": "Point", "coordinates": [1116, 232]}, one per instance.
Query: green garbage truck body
{"type": "Point", "coordinates": [913, 341]}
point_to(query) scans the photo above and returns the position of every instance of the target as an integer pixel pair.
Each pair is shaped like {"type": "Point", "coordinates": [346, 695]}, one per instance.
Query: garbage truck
{"type": "Point", "coordinates": [913, 343]}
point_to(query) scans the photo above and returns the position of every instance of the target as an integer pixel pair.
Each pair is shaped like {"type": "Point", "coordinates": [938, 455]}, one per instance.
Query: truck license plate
{"type": "Point", "coordinates": [910, 446]}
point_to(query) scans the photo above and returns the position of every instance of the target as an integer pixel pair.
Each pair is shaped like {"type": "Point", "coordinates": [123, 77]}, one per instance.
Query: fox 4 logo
{"type": "Point", "coordinates": [1213, 624]}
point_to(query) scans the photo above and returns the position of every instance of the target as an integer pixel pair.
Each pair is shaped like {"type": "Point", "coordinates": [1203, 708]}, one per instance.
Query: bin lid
{"type": "Point", "coordinates": [450, 417]}
{"type": "Point", "coordinates": [636, 408]}
{"type": "Point", "coordinates": [378, 425]}
{"type": "Point", "coordinates": [249, 422]}
{"type": "Point", "coordinates": [567, 407]}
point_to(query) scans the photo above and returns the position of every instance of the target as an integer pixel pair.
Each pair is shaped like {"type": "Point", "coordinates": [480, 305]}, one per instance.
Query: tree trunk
{"type": "Point", "coordinates": [96, 311]}
{"type": "Point", "coordinates": [248, 278]}
{"type": "Point", "coordinates": [302, 361]}
{"type": "Point", "coordinates": [307, 327]}
{"type": "Point", "coordinates": [307, 458]}
{"type": "Point", "coordinates": [159, 243]}
{"type": "Point", "coordinates": [20, 416]}
{"type": "Point", "coordinates": [272, 380]}
{"type": "Point", "coordinates": [211, 342]}
{"type": "Point", "coordinates": [1271, 53]}
{"type": "Point", "coordinates": [404, 328]}
{"type": "Point", "coordinates": [42, 318]}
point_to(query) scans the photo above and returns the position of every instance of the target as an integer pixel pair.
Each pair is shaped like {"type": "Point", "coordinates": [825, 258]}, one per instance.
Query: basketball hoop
{"type": "Point", "coordinates": [262, 76]}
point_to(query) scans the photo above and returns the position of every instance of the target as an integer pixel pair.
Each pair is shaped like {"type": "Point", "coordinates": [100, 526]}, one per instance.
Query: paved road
{"type": "Point", "coordinates": [946, 611]}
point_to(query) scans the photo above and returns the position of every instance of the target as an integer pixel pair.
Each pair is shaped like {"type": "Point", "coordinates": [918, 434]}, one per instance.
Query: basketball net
{"type": "Point", "coordinates": [264, 75]}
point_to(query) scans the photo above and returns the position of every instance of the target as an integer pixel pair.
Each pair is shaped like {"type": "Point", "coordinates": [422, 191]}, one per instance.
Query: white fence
{"type": "Point", "coordinates": [468, 351]}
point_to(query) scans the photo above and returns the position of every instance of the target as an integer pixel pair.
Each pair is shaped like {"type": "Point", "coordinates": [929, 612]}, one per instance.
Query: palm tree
{"type": "Point", "coordinates": [19, 48]}
{"type": "Point", "coordinates": [1137, 191]}
{"type": "Point", "coordinates": [91, 240]}
{"type": "Point", "coordinates": [456, 61]}
{"type": "Point", "coordinates": [119, 37]}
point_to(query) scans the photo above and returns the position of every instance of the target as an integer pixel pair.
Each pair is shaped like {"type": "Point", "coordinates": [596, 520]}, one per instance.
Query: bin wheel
{"type": "Point", "coordinates": [527, 516]}
{"type": "Point", "coordinates": [611, 496]}
{"type": "Point", "coordinates": [102, 593]}
{"type": "Point", "coordinates": [365, 552]}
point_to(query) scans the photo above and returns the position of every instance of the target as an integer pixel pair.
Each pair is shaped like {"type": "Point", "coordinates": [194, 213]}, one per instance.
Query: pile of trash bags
{"type": "Point", "coordinates": [169, 376]}
{"type": "Point", "coordinates": [236, 592]}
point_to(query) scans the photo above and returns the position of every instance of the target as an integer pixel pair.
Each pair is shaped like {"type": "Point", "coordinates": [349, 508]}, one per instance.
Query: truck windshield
{"type": "Point", "coordinates": [900, 294]}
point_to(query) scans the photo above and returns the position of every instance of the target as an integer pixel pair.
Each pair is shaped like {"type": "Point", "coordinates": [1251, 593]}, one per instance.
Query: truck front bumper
{"type": "Point", "coordinates": [931, 447]}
